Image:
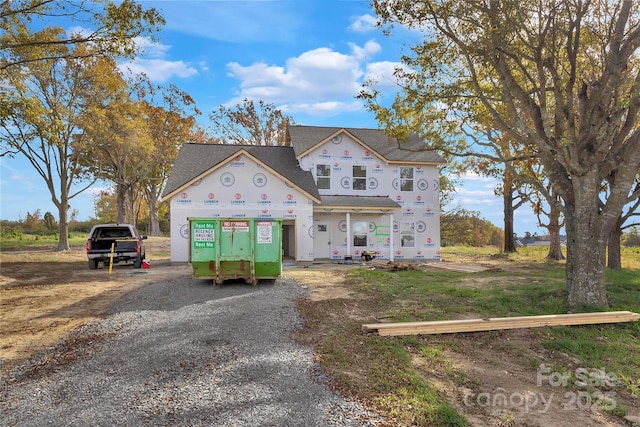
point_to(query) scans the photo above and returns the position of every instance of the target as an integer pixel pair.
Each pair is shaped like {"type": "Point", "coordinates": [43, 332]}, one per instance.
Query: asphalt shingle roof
{"type": "Point", "coordinates": [196, 159]}
{"type": "Point", "coordinates": [415, 149]}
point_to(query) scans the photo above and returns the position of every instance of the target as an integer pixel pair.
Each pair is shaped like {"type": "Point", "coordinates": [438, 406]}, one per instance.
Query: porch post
{"type": "Point", "coordinates": [391, 236]}
{"type": "Point", "coordinates": [348, 234]}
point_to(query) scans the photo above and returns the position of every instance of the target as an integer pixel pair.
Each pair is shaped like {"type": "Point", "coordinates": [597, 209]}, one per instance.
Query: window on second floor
{"type": "Point", "coordinates": [323, 177]}
{"type": "Point", "coordinates": [406, 179]}
{"type": "Point", "coordinates": [359, 177]}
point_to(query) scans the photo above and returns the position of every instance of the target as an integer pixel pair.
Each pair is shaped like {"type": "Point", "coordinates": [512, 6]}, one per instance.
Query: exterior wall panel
{"type": "Point", "coordinates": [241, 189]}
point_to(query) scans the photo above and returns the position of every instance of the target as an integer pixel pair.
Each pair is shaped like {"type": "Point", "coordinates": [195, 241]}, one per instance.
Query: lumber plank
{"type": "Point", "coordinates": [499, 323]}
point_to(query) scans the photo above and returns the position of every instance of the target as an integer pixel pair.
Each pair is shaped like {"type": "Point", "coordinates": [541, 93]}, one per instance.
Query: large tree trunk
{"type": "Point", "coordinates": [614, 257]}
{"type": "Point", "coordinates": [63, 208]}
{"type": "Point", "coordinates": [152, 197]}
{"type": "Point", "coordinates": [63, 226]}
{"type": "Point", "coordinates": [132, 217]}
{"type": "Point", "coordinates": [507, 198]}
{"type": "Point", "coordinates": [586, 246]}
{"type": "Point", "coordinates": [555, 248]}
{"type": "Point", "coordinates": [121, 201]}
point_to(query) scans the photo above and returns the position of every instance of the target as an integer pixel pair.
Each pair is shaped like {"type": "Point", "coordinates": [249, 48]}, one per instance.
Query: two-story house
{"type": "Point", "coordinates": [339, 191]}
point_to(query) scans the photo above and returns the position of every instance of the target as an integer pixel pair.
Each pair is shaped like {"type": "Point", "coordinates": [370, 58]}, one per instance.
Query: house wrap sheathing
{"type": "Point", "coordinates": [339, 191]}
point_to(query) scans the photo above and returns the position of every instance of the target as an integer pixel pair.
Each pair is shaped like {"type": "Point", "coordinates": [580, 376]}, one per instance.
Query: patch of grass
{"type": "Point", "coordinates": [18, 241]}
{"type": "Point", "coordinates": [437, 295]}
{"type": "Point", "coordinates": [614, 348]}
{"type": "Point", "coordinates": [383, 370]}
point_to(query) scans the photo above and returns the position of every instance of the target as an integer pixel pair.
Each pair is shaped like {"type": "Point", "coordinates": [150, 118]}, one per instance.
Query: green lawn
{"type": "Point", "coordinates": [380, 369]}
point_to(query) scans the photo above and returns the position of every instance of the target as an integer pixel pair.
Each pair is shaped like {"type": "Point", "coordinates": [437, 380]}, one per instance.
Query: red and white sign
{"type": "Point", "coordinates": [211, 196]}
{"type": "Point", "coordinates": [229, 226]}
{"type": "Point", "coordinates": [238, 196]}
{"type": "Point", "coordinates": [184, 195]}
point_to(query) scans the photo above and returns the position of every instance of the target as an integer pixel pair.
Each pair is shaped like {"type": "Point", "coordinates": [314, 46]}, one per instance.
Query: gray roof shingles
{"type": "Point", "coordinates": [415, 149]}
{"type": "Point", "coordinates": [196, 159]}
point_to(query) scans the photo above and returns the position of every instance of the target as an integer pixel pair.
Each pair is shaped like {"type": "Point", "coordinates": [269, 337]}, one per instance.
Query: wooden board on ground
{"type": "Point", "coordinates": [498, 323]}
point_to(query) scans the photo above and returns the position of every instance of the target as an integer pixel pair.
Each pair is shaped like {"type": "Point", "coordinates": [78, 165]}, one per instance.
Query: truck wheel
{"type": "Point", "coordinates": [138, 262]}
{"type": "Point", "coordinates": [93, 264]}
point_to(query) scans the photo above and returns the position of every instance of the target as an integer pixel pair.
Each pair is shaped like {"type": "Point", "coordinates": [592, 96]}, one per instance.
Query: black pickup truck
{"type": "Point", "coordinates": [127, 243]}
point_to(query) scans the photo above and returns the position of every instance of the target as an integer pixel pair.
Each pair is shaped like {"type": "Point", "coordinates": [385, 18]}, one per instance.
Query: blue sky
{"type": "Point", "coordinates": [309, 58]}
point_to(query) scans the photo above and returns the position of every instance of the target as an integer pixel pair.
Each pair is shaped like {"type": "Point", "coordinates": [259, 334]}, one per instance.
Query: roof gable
{"type": "Point", "coordinates": [198, 160]}
{"type": "Point", "coordinates": [304, 139]}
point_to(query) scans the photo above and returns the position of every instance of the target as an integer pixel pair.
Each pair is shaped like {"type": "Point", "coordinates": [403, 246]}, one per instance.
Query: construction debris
{"type": "Point", "coordinates": [499, 323]}
{"type": "Point", "coordinates": [387, 265]}
{"type": "Point", "coordinates": [392, 265]}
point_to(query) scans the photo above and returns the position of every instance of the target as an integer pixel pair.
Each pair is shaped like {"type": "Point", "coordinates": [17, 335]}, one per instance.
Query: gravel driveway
{"type": "Point", "coordinates": [181, 352]}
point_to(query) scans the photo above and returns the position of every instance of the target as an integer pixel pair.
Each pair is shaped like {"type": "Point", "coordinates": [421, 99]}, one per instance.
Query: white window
{"type": "Point", "coordinates": [359, 177]}
{"type": "Point", "coordinates": [323, 177]}
{"type": "Point", "coordinates": [406, 179]}
{"type": "Point", "coordinates": [360, 230]}
{"type": "Point", "coordinates": [407, 235]}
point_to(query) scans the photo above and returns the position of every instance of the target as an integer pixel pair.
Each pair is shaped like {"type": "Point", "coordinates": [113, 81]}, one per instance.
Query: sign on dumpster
{"type": "Point", "coordinates": [264, 232]}
{"type": "Point", "coordinates": [203, 235]}
{"type": "Point", "coordinates": [240, 226]}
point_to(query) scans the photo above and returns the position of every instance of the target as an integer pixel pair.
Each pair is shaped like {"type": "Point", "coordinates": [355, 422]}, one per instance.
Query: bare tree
{"type": "Point", "coordinates": [250, 124]}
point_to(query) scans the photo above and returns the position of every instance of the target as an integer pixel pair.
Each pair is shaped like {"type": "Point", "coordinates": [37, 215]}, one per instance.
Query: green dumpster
{"type": "Point", "coordinates": [233, 248]}
{"type": "Point", "coordinates": [268, 248]}
{"type": "Point", "coordinates": [203, 247]}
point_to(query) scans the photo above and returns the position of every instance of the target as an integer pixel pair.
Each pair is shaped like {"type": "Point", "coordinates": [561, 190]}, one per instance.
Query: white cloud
{"type": "Point", "coordinates": [363, 24]}
{"type": "Point", "coordinates": [362, 53]}
{"type": "Point", "coordinates": [154, 64]}
{"type": "Point", "coordinates": [476, 196]}
{"type": "Point", "coordinates": [318, 81]}
{"type": "Point", "coordinates": [475, 176]}
{"type": "Point", "coordinates": [158, 70]}
{"type": "Point", "coordinates": [151, 49]}
{"type": "Point", "coordinates": [380, 75]}
{"type": "Point", "coordinates": [322, 108]}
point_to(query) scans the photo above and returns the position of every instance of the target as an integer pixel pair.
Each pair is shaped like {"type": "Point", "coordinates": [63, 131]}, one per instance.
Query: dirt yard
{"type": "Point", "coordinates": [41, 302]}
